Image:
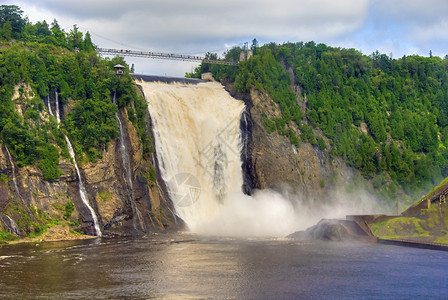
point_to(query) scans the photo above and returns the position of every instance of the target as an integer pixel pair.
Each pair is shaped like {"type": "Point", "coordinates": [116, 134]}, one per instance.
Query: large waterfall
{"type": "Point", "coordinates": [198, 145]}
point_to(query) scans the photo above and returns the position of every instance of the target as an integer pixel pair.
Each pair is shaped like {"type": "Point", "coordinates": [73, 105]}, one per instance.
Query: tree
{"type": "Point", "coordinates": [12, 14]}
{"type": "Point", "coordinates": [254, 46]}
{"type": "Point", "coordinates": [7, 30]}
{"type": "Point", "coordinates": [42, 29]}
{"type": "Point", "coordinates": [88, 45]}
{"type": "Point", "coordinates": [75, 38]}
{"type": "Point", "coordinates": [58, 34]}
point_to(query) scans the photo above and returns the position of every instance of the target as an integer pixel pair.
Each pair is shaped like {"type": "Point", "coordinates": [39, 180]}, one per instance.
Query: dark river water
{"type": "Point", "coordinates": [184, 266]}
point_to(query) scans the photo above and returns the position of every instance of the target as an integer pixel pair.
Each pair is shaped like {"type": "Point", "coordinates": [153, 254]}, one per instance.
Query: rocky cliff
{"type": "Point", "coordinates": [29, 204]}
{"type": "Point", "coordinates": [271, 161]}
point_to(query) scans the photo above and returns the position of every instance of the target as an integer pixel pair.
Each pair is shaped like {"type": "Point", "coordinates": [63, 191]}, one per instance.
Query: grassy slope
{"type": "Point", "coordinates": [429, 225]}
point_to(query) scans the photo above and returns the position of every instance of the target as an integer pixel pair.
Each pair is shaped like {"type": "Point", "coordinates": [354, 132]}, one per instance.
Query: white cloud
{"type": "Point", "coordinates": [166, 22]}
{"type": "Point", "coordinates": [422, 21]}
{"type": "Point", "coordinates": [432, 31]}
{"type": "Point", "coordinates": [413, 10]}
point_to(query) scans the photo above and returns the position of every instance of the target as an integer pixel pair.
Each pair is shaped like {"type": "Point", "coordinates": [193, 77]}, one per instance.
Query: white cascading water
{"type": "Point", "coordinates": [49, 106]}
{"type": "Point", "coordinates": [82, 189]}
{"type": "Point", "coordinates": [58, 117]}
{"type": "Point", "coordinates": [198, 146]}
{"type": "Point", "coordinates": [128, 173]}
{"type": "Point", "coordinates": [11, 225]}
{"type": "Point", "coordinates": [14, 179]}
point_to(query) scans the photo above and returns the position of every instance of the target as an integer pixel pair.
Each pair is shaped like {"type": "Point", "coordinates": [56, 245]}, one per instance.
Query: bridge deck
{"type": "Point", "coordinates": [169, 56]}
{"type": "Point", "coordinates": [166, 79]}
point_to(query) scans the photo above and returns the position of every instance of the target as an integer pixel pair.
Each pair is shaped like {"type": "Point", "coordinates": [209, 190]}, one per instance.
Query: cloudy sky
{"type": "Point", "coordinates": [195, 27]}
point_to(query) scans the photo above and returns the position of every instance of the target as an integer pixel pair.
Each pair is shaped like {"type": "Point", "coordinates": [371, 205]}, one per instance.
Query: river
{"type": "Point", "coordinates": [186, 266]}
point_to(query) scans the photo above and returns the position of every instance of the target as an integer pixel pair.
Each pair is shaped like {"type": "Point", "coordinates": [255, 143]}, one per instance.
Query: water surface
{"type": "Point", "coordinates": [184, 266]}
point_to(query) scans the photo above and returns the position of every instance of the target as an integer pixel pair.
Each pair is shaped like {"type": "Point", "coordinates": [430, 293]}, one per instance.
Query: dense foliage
{"type": "Point", "coordinates": [49, 65]}
{"type": "Point", "coordinates": [386, 117]}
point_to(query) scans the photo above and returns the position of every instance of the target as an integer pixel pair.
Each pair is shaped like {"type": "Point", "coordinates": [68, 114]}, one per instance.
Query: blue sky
{"type": "Point", "coordinates": [394, 27]}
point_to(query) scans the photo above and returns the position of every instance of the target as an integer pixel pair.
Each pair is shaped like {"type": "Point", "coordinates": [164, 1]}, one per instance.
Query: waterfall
{"type": "Point", "coordinates": [10, 224]}
{"type": "Point", "coordinates": [49, 105]}
{"type": "Point", "coordinates": [13, 171]}
{"type": "Point", "coordinates": [198, 145]}
{"type": "Point", "coordinates": [58, 117]}
{"type": "Point", "coordinates": [128, 175]}
{"type": "Point", "coordinates": [82, 189]}
{"type": "Point", "coordinates": [128, 172]}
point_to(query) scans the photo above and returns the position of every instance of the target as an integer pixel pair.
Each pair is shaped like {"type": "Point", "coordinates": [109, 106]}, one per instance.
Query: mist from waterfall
{"type": "Point", "coordinates": [198, 146]}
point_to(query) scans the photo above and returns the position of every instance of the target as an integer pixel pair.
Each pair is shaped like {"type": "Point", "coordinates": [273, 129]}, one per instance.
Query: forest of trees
{"type": "Point", "coordinates": [49, 60]}
{"type": "Point", "coordinates": [403, 104]}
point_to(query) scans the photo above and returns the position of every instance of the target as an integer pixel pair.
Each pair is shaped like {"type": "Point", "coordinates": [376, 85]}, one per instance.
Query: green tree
{"type": "Point", "coordinates": [75, 40]}
{"type": "Point", "coordinates": [254, 46]}
{"type": "Point", "coordinates": [7, 30]}
{"type": "Point", "coordinates": [13, 15]}
{"type": "Point", "coordinates": [88, 45]}
{"type": "Point", "coordinates": [59, 37]}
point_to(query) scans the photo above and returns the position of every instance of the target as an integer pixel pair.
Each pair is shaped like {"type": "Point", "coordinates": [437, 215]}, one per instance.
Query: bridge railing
{"type": "Point", "coordinates": [169, 56]}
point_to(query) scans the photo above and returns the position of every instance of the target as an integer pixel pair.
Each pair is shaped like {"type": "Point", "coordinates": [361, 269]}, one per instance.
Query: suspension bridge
{"type": "Point", "coordinates": [170, 56]}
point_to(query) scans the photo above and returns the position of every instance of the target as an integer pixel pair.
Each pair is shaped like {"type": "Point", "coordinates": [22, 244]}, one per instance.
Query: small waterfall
{"type": "Point", "coordinates": [14, 179]}
{"type": "Point", "coordinates": [58, 117]}
{"type": "Point", "coordinates": [128, 175]}
{"type": "Point", "coordinates": [10, 225]}
{"type": "Point", "coordinates": [82, 190]}
{"type": "Point", "coordinates": [49, 105]}
{"type": "Point", "coordinates": [128, 172]}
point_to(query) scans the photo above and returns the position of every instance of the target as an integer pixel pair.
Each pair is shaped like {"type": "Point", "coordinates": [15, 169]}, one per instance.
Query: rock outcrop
{"type": "Point", "coordinates": [333, 230]}
{"type": "Point", "coordinates": [271, 161]}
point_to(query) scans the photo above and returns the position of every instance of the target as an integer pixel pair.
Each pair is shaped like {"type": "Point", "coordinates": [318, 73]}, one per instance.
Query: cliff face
{"type": "Point", "coordinates": [271, 161]}
{"type": "Point", "coordinates": [123, 206]}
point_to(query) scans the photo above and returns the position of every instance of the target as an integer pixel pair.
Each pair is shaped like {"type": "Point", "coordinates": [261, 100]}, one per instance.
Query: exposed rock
{"type": "Point", "coordinates": [332, 230]}
{"type": "Point", "coordinates": [271, 161]}
{"type": "Point", "coordinates": [208, 76]}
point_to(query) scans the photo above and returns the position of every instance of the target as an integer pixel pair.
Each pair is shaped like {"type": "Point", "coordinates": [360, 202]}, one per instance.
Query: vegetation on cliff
{"type": "Point", "coordinates": [43, 61]}
{"type": "Point", "coordinates": [386, 117]}
{"type": "Point", "coordinates": [41, 65]}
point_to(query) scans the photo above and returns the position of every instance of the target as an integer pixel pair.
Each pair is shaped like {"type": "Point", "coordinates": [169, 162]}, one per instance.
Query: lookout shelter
{"type": "Point", "coordinates": [119, 70]}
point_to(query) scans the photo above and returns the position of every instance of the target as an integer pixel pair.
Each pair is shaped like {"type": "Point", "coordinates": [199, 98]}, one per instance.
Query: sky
{"type": "Point", "coordinates": [393, 27]}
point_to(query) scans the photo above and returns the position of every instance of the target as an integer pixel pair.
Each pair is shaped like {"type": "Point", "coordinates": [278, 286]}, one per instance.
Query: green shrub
{"type": "Point", "coordinates": [6, 236]}
{"type": "Point", "coordinates": [69, 208]}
